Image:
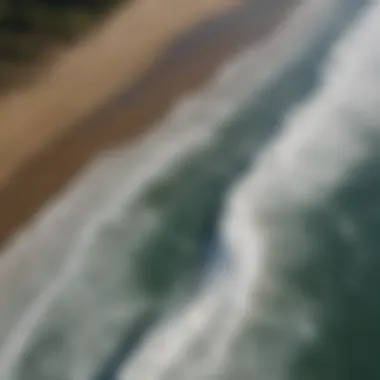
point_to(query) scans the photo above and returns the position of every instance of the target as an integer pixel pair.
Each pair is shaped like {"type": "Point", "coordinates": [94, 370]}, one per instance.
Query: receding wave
{"type": "Point", "coordinates": [136, 273]}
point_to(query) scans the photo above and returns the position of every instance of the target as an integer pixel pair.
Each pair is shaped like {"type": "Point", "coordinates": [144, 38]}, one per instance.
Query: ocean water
{"type": "Point", "coordinates": [249, 251]}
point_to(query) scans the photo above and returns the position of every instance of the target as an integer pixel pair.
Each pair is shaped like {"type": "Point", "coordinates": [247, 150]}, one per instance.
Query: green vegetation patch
{"type": "Point", "coordinates": [30, 28]}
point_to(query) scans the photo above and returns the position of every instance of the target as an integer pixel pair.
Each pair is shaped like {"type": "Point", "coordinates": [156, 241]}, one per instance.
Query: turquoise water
{"type": "Point", "coordinates": [165, 274]}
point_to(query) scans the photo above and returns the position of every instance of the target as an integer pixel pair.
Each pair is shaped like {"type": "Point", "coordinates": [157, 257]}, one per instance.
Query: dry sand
{"type": "Point", "coordinates": [45, 136]}
{"type": "Point", "coordinates": [116, 55]}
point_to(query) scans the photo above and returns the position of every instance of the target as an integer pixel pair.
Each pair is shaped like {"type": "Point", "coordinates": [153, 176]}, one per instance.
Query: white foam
{"type": "Point", "coordinates": [167, 352]}
{"type": "Point", "coordinates": [52, 251]}
{"type": "Point", "coordinates": [321, 143]}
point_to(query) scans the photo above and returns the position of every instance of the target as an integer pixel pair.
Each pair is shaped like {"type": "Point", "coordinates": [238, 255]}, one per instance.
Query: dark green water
{"type": "Point", "coordinates": [164, 249]}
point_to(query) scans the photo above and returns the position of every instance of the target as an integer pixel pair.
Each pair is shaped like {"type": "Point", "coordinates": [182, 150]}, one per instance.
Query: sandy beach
{"type": "Point", "coordinates": [111, 87]}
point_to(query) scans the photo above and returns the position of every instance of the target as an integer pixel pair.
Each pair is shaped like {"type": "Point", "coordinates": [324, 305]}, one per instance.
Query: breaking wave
{"type": "Point", "coordinates": [235, 252]}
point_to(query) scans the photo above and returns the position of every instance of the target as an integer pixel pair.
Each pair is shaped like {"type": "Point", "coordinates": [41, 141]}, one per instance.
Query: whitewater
{"type": "Point", "coordinates": [235, 249]}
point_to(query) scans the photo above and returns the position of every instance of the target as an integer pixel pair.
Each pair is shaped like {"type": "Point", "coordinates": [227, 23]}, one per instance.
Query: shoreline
{"type": "Point", "coordinates": [187, 64]}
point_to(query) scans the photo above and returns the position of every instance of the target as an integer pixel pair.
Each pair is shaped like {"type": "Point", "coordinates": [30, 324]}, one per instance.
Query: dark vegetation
{"type": "Point", "coordinates": [30, 28]}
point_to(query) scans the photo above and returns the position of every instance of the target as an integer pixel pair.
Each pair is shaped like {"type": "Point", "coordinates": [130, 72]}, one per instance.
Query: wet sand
{"type": "Point", "coordinates": [186, 63]}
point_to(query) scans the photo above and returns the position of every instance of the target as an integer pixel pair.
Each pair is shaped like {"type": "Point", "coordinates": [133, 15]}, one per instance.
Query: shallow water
{"type": "Point", "coordinates": [239, 261]}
